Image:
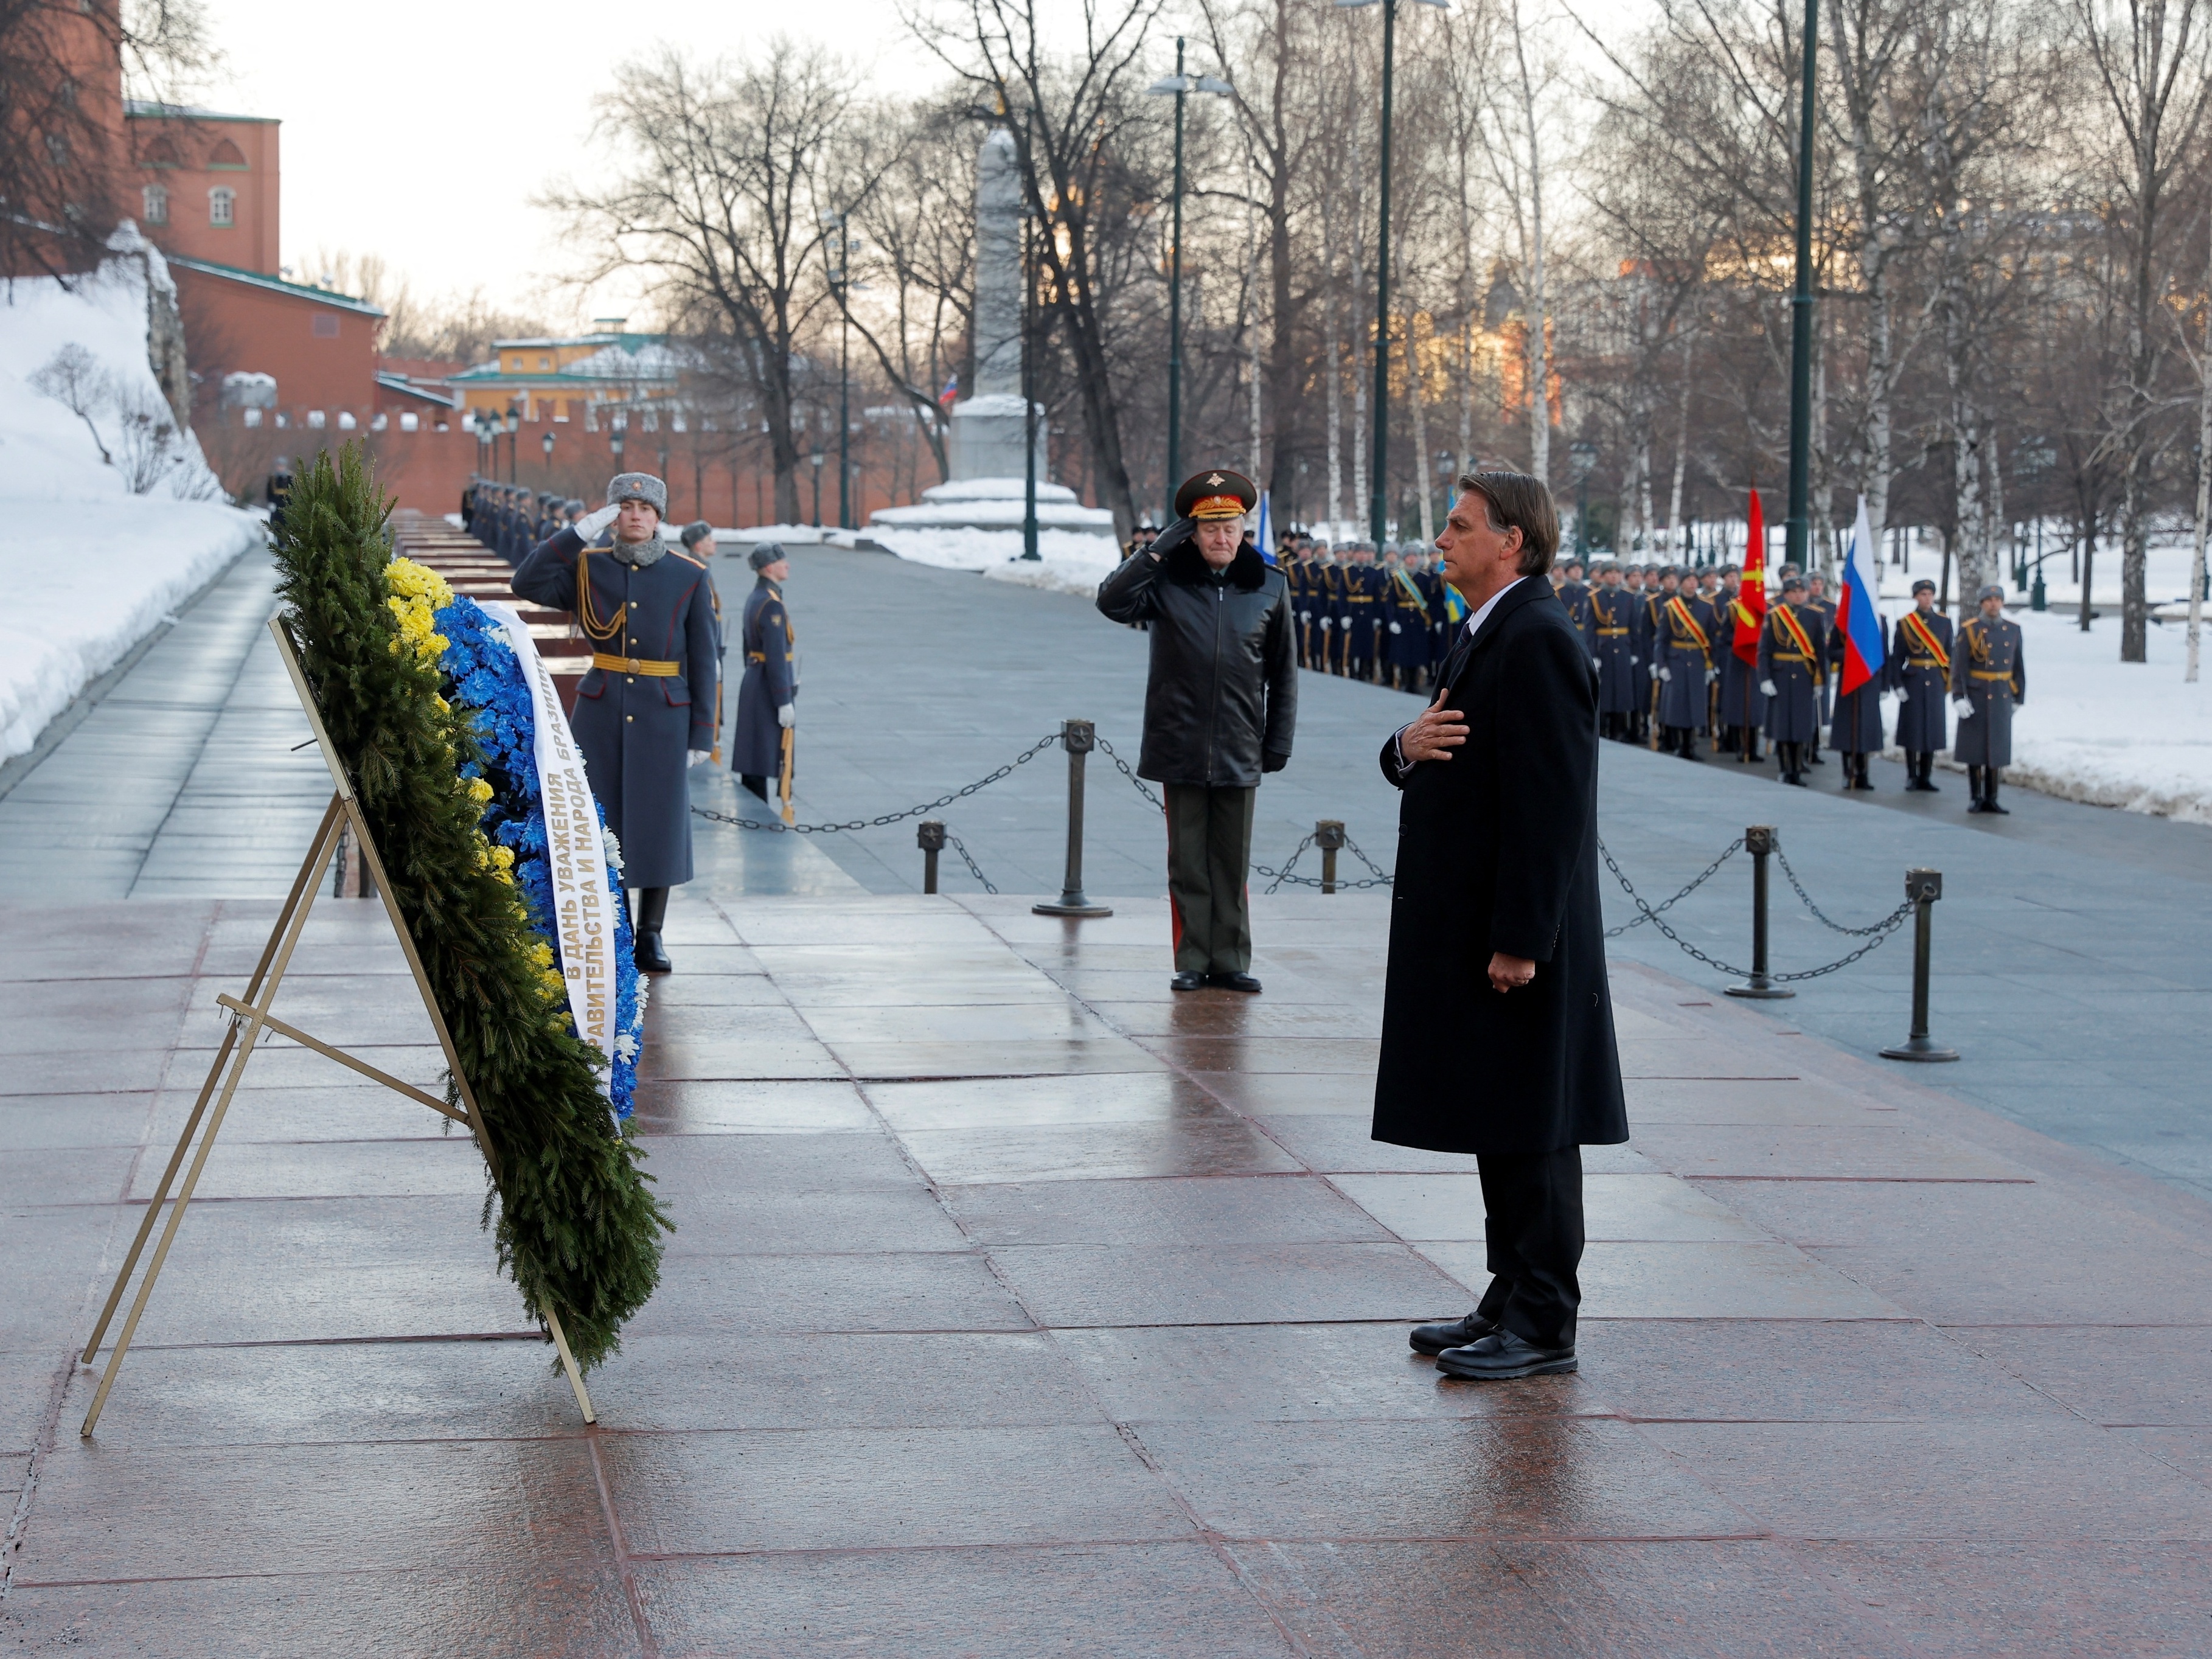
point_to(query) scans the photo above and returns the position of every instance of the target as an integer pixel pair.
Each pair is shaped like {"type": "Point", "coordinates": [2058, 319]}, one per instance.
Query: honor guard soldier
{"type": "Point", "coordinates": [645, 710]}
{"type": "Point", "coordinates": [280, 494]}
{"type": "Point", "coordinates": [1855, 731]}
{"type": "Point", "coordinates": [1362, 604]}
{"type": "Point", "coordinates": [1295, 571]}
{"type": "Point", "coordinates": [1919, 670]}
{"type": "Point", "coordinates": [1406, 624]}
{"type": "Point", "coordinates": [1742, 705]}
{"type": "Point", "coordinates": [1988, 680]}
{"type": "Point", "coordinates": [1331, 612]}
{"type": "Point", "coordinates": [1816, 595]}
{"type": "Point", "coordinates": [1656, 593]}
{"type": "Point", "coordinates": [1575, 595]}
{"type": "Point", "coordinates": [1610, 644]}
{"type": "Point", "coordinates": [1685, 665]}
{"type": "Point", "coordinates": [767, 698]}
{"type": "Point", "coordinates": [1792, 655]}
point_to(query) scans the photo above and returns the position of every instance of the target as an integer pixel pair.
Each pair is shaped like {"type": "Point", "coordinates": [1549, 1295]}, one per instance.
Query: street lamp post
{"type": "Point", "coordinates": [1028, 394]}
{"type": "Point", "coordinates": [1582, 458]}
{"type": "Point", "coordinates": [1377, 489]}
{"type": "Point", "coordinates": [513, 420]}
{"type": "Point", "coordinates": [616, 438]}
{"type": "Point", "coordinates": [837, 243]}
{"type": "Point", "coordinates": [818, 458]}
{"type": "Point", "coordinates": [1799, 533]}
{"type": "Point", "coordinates": [546, 443]}
{"type": "Point", "coordinates": [1178, 86]}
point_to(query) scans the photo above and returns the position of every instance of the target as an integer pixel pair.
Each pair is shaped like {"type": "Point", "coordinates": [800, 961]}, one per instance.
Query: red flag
{"type": "Point", "coordinates": [1751, 598]}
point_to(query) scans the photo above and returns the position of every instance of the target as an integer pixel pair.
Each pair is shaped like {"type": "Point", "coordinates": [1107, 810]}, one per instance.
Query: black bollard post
{"type": "Point", "coordinates": [1079, 737]}
{"type": "Point", "coordinates": [1924, 888]}
{"type": "Point", "coordinates": [1329, 836]}
{"type": "Point", "coordinates": [1759, 841]}
{"type": "Point", "coordinates": [929, 835]}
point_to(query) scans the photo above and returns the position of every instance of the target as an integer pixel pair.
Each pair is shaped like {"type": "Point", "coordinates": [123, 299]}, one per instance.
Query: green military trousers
{"type": "Point", "coordinates": [1209, 846]}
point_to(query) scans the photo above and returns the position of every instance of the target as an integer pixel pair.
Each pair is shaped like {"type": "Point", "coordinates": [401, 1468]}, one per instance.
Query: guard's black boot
{"type": "Point", "coordinates": [652, 912]}
{"type": "Point", "coordinates": [1974, 789]}
{"type": "Point", "coordinates": [1916, 764]}
{"type": "Point", "coordinates": [1859, 779]}
{"type": "Point", "coordinates": [1814, 755]}
{"type": "Point", "coordinates": [1689, 749]}
{"type": "Point", "coordinates": [1990, 793]}
{"type": "Point", "coordinates": [1793, 764]}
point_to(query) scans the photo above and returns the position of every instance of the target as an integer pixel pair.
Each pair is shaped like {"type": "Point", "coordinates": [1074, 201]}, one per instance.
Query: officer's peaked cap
{"type": "Point", "coordinates": [1215, 493]}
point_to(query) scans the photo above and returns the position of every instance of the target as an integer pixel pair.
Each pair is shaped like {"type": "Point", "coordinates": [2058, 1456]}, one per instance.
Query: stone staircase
{"type": "Point", "coordinates": [471, 567]}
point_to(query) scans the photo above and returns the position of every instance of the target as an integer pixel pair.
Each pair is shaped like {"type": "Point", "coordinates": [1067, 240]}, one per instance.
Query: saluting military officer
{"type": "Point", "coordinates": [1792, 658]}
{"type": "Point", "coordinates": [767, 698]}
{"type": "Point", "coordinates": [645, 710]}
{"type": "Point", "coordinates": [1988, 680]}
{"type": "Point", "coordinates": [1919, 668]}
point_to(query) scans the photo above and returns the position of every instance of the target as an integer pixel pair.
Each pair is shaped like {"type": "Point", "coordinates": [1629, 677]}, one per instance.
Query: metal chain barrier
{"type": "Point", "coordinates": [877, 822]}
{"type": "Point", "coordinates": [1819, 916]}
{"type": "Point", "coordinates": [1290, 864]}
{"type": "Point", "coordinates": [1703, 876]}
{"type": "Point", "coordinates": [968, 859]}
{"type": "Point", "coordinates": [1880, 931]}
{"type": "Point", "coordinates": [1142, 787]}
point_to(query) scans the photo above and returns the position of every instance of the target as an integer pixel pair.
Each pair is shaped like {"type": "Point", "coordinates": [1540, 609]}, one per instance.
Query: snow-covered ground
{"type": "Point", "coordinates": [97, 550]}
{"type": "Point", "coordinates": [2094, 729]}
{"type": "Point", "coordinates": [1068, 562]}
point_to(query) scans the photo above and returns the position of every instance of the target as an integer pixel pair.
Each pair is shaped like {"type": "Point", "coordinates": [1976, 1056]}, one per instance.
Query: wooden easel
{"type": "Point", "coordinates": [250, 1016]}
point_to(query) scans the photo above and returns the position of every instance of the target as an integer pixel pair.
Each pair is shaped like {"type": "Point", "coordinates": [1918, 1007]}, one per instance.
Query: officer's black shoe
{"type": "Point", "coordinates": [1990, 794]}
{"type": "Point", "coordinates": [1189, 980]}
{"type": "Point", "coordinates": [650, 958]}
{"type": "Point", "coordinates": [1452, 1333]}
{"type": "Point", "coordinates": [1502, 1356]}
{"type": "Point", "coordinates": [1232, 981]}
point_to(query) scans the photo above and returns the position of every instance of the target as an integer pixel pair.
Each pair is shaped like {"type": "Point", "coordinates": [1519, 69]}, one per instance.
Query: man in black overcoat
{"type": "Point", "coordinates": [646, 711]}
{"type": "Point", "coordinates": [1496, 1019]}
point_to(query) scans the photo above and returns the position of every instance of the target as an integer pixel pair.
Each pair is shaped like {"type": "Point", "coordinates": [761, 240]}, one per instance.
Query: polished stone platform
{"type": "Point", "coordinates": [1018, 1307]}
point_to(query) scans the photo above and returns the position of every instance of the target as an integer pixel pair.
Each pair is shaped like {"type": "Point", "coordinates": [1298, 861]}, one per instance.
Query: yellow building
{"type": "Point", "coordinates": [573, 379]}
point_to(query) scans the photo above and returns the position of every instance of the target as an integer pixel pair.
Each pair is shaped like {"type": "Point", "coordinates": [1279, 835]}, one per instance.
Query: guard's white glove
{"type": "Point", "coordinates": [699, 755]}
{"type": "Point", "coordinates": [1711, 674]}
{"type": "Point", "coordinates": [1632, 661]}
{"type": "Point", "coordinates": [1664, 673]}
{"type": "Point", "coordinates": [1325, 620]}
{"type": "Point", "coordinates": [1394, 627]}
{"type": "Point", "coordinates": [1903, 696]}
{"type": "Point", "coordinates": [1654, 670]}
{"type": "Point", "coordinates": [787, 716]}
{"type": "Point", "coordinates": [1598, 663]}
{"type": "Point", "coordinates": [1766, 689]}
{"type": "Point", "coordinates": [1962, 708]}
{"type": "Point", "coordinates": [591, 524]}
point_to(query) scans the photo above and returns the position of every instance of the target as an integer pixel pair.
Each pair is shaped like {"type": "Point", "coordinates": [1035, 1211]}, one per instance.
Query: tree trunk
{"type": "Point", "coordinates": [1540, 341]}
{"type": "Point", "coordinates": [1677, 531]}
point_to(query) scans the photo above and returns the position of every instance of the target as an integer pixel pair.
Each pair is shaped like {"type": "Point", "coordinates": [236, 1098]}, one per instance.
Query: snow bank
{"type": "Point", "coordinates": [2094, 729]}
{"type": "Point", "coordinates": [90, 567]}
{"type": "Point", "coordinates": [1069, 562]}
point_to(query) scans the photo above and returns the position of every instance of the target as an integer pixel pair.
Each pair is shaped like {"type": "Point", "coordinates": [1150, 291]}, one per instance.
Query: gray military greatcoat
{"type": "Point", "coordinates": [1922, 678]}
{"type": "Point", "coordinates": [1793, 713]}
{"type": "Point", "coordinates": [771, 680]}
{"type": "Point", "coordinates": [1988, 671]}
{"type": "Point", "coordinates": [650, 696]}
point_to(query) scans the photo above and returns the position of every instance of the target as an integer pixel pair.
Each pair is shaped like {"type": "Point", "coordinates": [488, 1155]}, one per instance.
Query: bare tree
{"type": "Point", "coordinates": [733, 174]}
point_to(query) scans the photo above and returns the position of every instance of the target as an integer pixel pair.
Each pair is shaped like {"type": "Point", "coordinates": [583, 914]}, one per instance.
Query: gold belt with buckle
{"type": "Point", "coordinates": [646, 665]}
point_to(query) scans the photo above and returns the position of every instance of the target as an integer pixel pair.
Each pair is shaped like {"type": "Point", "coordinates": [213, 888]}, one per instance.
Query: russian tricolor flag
{"type": "Point", "coordinates": [1265, 537]}
{"type": "Point", "coordinates": [1856, 615]}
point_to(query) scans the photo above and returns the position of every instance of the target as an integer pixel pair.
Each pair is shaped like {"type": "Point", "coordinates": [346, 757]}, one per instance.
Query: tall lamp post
{"type": "Point", "coordinates": [1028, 393]}
{"type": "Point", "coordinates": [1799, 539]}
{"type": "Point", "coordinates": [546, 443]}
{"type": "Point", "coordinates": [837, 247]}
{"type": "Point", "coordinates": [1582, 458]}
{"type": "Point", "coordinates": [513, 420]}
{"type": "Point", "coordinates": [617, 437]}
{"type": "Point", "coordinates": [1377, 488]}
{"type": "Point", "coordinates": [818, 459]}
{"type": "Point", "coordinates": [1177, 87]}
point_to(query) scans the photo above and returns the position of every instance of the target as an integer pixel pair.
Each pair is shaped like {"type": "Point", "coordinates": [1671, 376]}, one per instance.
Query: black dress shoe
{"type": "Point", "coordinates": [650, 957]}
{"type": "Point", "coordinates": [1502, 1356]}
{"type": "Point", "coordinates": [1232, 981]}
{"type": "Point", "coordinates": [1453, 1334]}
{"type": "Point", "coordinates": [1188, 981]}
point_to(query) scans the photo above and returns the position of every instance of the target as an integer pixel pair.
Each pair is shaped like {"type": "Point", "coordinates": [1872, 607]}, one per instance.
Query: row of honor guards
{"type": "Point", "coordinates": [1385, 619]}
{"type": "Point", "coordinates": [511, 520]}
{"type": "Point", "coordinates": [1682, 656]}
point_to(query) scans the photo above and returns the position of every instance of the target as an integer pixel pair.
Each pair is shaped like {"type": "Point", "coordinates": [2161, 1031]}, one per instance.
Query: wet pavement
{"type": "Point", "coordinates": [1018, 1307]}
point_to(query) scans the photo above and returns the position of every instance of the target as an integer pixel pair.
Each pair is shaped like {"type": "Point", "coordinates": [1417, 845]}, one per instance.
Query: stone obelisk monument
{"type": "Point", "coordinates": [983, 450]}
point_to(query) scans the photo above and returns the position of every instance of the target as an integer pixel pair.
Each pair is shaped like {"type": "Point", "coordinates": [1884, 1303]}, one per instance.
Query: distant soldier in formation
{"type": "Point", "coordinates": [768, 698]}
{"type": "Point", "coordinates": [1405, 620]}
{"type": "Point", "coordinates": [1989, 681]}
{"type": "Point", "coordinates": [1742, 705]}
{"type": "Point", "coordinates": [1816, 595]}
{"type": "Point", "coordinates": [1362, 598]}
{"type": "Point", "coordinates": [1611, 642]}
{"type": "Point", "coordinates": [1919, 670]}
{"type": "Point", "coordinates": [1792, 655]}
{"type": "Point", "coordinates": [1684, 665]}
{"type": "Point", "coordinates": [1856, 732]}
{"type": "Point", "coordinates": [279, 491]}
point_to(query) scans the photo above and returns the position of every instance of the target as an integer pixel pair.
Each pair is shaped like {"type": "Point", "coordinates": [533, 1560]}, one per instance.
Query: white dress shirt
{"type": "Point", "coordinates": [1474, 626]}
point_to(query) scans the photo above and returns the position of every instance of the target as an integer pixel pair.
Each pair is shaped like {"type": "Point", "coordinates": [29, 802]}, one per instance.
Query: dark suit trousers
{"type": "Point", "coordinates": [1209, 852]}
{"type": "Point", "coordinates": [1534, 1228]}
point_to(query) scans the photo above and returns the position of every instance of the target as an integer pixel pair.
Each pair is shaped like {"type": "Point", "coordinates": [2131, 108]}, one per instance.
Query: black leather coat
{"type": "Point", "coordinates": [1222, 696]}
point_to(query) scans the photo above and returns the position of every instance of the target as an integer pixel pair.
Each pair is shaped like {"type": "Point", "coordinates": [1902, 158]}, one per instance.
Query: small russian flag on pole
{"type": "Point", "coordinates": [1266, 533]}
{"type": "Point", "coordinates": [1856, 615]}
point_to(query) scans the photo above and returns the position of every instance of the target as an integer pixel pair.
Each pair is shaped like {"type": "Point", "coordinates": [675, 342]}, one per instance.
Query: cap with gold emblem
{"type": "Point", "coordinates": [1220, 494]}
